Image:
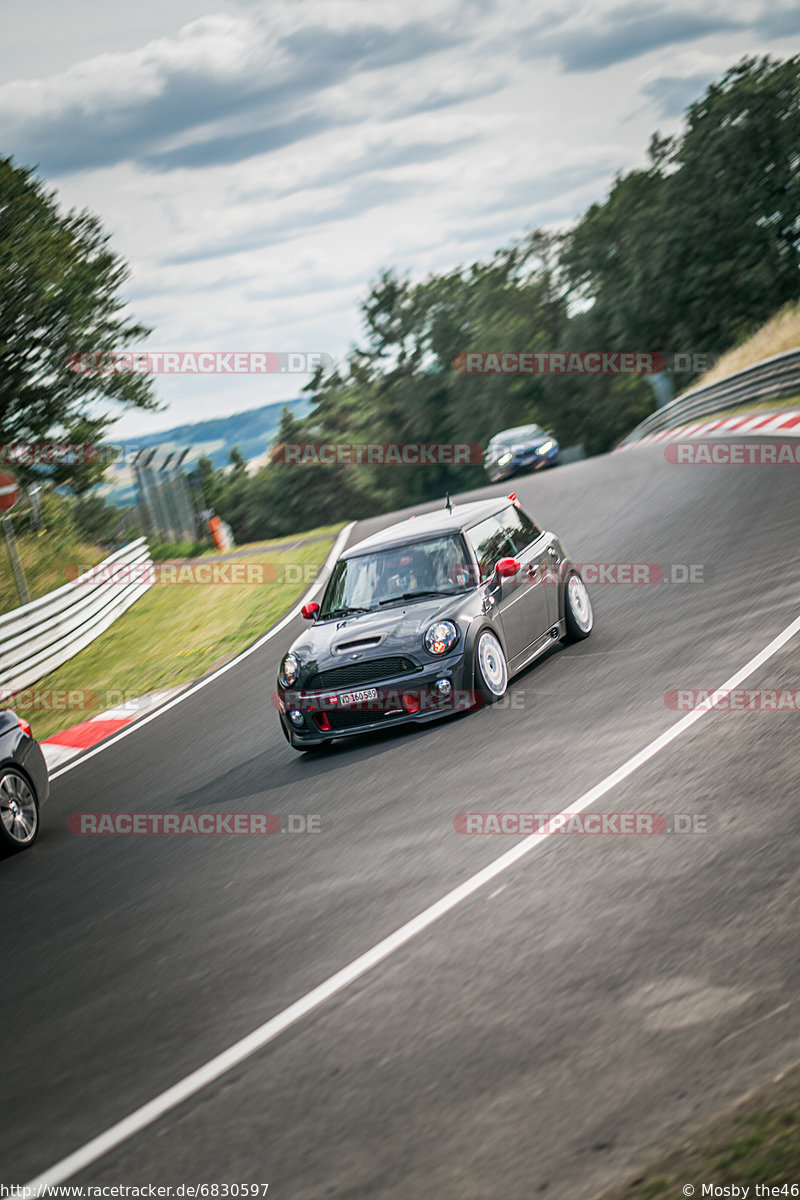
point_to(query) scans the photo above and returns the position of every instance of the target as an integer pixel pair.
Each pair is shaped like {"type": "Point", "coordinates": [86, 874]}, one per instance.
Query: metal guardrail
{"type": "Point", "coordinates": [40, 636]}
{"type": "Point", "coordinates": [775, 378]}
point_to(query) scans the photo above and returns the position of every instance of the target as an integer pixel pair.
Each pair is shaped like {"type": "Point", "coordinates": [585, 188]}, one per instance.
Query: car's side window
{"type": "Point", "coordinates": [490, 541]}
{"type": "Point", "coordinates": [519, 527]}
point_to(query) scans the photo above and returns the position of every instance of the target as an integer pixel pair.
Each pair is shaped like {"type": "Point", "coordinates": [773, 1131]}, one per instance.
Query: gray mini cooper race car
{"type": "Point", "coordinates": [429, 616]}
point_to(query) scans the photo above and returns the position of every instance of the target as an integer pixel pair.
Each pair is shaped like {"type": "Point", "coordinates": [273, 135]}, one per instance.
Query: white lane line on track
{"type": "Point", "coordinates": [271, 1029]}
{"type": "Point", "coordinates": [190, 691]}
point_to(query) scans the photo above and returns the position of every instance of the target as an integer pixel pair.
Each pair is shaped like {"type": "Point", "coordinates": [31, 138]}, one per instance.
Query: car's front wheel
{"type": "Point", "coordinates": [491, 669]}
{"type": "Point", "coordinates": [19, 810]}
{"type": "Point", "coordinates": [578, 613]}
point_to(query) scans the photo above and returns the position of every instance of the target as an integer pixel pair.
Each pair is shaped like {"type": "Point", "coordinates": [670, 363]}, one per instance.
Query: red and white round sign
{"type": "Point", "coordinates": [9, 491]}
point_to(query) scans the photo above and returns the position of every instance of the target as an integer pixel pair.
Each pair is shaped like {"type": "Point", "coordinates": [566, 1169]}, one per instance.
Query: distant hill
{"type": "Point", "coordinates": [252, 431]}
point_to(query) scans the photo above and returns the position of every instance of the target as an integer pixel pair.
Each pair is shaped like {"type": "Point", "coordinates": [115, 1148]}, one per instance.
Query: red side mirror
{"type": "Point", "coordinates": [309, 611]}
{"type": "Point", "coordinates": [506, 567]}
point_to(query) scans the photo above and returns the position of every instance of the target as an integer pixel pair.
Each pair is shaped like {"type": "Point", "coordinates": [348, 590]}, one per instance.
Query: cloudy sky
{"type": "Point", "coordinates": [258, 164]}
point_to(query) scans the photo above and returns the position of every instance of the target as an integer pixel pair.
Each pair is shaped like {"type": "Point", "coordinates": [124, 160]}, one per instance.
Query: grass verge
{"type": "Point", "coordinates": [756, 1142]}
{"type": "Point", "coordinates": [781, 332]}
{"type": "Point", "coordinates": [176, 633]}
{"type": "Point", "coordinates": [45, 559]}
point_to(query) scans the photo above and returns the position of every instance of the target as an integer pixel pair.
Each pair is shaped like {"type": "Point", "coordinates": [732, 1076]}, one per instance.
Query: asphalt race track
{"type": "Point", "coordinates": [561, 1025]}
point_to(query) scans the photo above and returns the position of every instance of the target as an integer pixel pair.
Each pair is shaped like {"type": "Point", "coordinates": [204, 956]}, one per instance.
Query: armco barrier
{"type": "Point", "coordinates": [40, 636]}
{"type": "Point", "coordinates": [775, 378]}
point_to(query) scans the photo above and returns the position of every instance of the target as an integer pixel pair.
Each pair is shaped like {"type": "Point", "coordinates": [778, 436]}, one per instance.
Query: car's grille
{"type": "Point", "coordinates": [371, 670]}
{"type": "Point", "coordinates": [345, 718]}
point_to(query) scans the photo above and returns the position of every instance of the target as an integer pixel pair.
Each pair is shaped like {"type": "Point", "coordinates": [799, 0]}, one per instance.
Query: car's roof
{"type": "Point", "coordinates": [518, 431]}
{"type": "Point", "coordinates": [429, 525]}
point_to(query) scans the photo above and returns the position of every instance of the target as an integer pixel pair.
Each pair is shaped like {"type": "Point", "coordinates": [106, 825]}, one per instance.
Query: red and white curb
{"type": "Point", "coordinates": [61, 747]}
{"type": "Point", "coordinates": [787, 423]}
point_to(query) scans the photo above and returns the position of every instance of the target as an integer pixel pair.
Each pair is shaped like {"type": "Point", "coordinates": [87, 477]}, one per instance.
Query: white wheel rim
{"type": "Point", "coordinates": [17, 808]}
{"type": "Point", "coordinates": [492, 663]}
{"type": "Point", "coordinates": [579, 603]}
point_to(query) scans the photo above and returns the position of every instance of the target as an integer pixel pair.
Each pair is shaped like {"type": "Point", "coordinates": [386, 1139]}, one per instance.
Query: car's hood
{"type": "Point", "coordinates": [395, 629]}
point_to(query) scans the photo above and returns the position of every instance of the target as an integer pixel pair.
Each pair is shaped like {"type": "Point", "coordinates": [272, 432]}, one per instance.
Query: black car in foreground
{"type": "Point", "coordinates": [24, 783]}
{"type": "Point", "coordinates": [429, 617]}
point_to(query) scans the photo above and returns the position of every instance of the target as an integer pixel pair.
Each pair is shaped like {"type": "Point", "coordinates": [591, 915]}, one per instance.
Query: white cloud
{"type": "Point", "coordinates": [261, 164]}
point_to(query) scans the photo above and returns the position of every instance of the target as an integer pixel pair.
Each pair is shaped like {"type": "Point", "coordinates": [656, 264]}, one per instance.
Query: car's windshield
{"type": "Point", "coordinates": [522, 434]}
{"type": "Point", "coordinates": [439, 566]}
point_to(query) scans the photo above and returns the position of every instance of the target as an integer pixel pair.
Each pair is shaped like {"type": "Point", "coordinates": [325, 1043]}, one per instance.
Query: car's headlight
{"type": "Point", "coordinates": [545, 448]}
{"type": "Point", "coordinates": [290, 669]}
{"type": "Point", "coordinates": [504, 458]}
{"type": "Point", "coordinates": [441, 637]}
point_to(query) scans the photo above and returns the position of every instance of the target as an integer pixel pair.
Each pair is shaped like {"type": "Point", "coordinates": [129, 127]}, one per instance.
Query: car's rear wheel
{"type": "Point", "coordinates": [491, 669]}
{"type": "Point", "coordinates": [578, 613]}
{"type": "Point", "coordinates": [19, 810]}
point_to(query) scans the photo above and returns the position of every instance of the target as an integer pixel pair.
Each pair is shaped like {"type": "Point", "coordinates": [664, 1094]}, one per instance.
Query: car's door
{"type": "Point", "coordinates": [521, 600]}
{"type": "Point", "coordinates": [537, 551]}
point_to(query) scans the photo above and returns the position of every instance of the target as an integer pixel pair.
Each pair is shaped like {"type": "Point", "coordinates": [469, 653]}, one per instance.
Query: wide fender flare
{"type": "Point", "coordinates": [471, 641]}
{"type": "Point", "coordinates": [566, 567]}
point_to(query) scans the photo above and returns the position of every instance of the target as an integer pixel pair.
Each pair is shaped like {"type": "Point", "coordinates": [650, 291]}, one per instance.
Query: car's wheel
{"type": "Point", "coordinates": [578, 613]}
{"type": "Point", "coordinates": [491, 669]}
{"type": "Point", "coordinates": [19, 810]}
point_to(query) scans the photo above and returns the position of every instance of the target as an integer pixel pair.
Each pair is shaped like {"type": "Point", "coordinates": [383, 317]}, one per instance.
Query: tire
{"type": "Point", "coordinates": [491, 668]}
{"type": "Point", "coordinates": [19, 810]}
{"type": "Point", "coordinates": [578, 614]}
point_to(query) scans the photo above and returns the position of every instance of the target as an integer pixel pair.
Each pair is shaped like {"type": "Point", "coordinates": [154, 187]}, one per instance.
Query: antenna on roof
{"type": "Point", "coordinates": [447, 503]}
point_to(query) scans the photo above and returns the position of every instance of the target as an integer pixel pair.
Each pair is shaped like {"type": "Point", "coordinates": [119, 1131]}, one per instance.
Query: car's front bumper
{"type": "Point", "coordinates": [323, 716]}
{"type": "Point", "coordinates": [520, 466]}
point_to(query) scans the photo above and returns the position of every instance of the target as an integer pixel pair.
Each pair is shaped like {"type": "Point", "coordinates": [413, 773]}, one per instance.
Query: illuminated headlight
{"type": "Point", "coordinates": [290, 669]}
{"type": "Point", "coordinates": [504, 458]}
{"type": "Point", "coordinates": [441, 637]}
{"type": "Point", "coordinates": [545, 447]}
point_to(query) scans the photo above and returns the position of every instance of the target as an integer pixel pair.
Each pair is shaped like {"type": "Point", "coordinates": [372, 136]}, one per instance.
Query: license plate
{"type": "Point", "coordinates": [359, 697]}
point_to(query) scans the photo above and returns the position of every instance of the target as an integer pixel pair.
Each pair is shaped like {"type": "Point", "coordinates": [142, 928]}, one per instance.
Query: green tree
{"type": "Point", "coordinates": [698, 249]}
{"type": "Point", "coordinates": [95, 519]}
{"type": "Point", "coordinates": [214, 484]}
{"type": "Point", "coordinates": [59, 297]}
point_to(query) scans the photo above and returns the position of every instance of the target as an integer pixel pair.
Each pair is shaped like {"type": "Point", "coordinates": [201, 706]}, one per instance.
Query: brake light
{"type": "Point", "coordinates": [24, 726]}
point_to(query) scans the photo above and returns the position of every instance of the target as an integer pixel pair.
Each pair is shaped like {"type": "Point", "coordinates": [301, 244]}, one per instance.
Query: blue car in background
{"type": "Point", "coordinates": [516, 451]}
